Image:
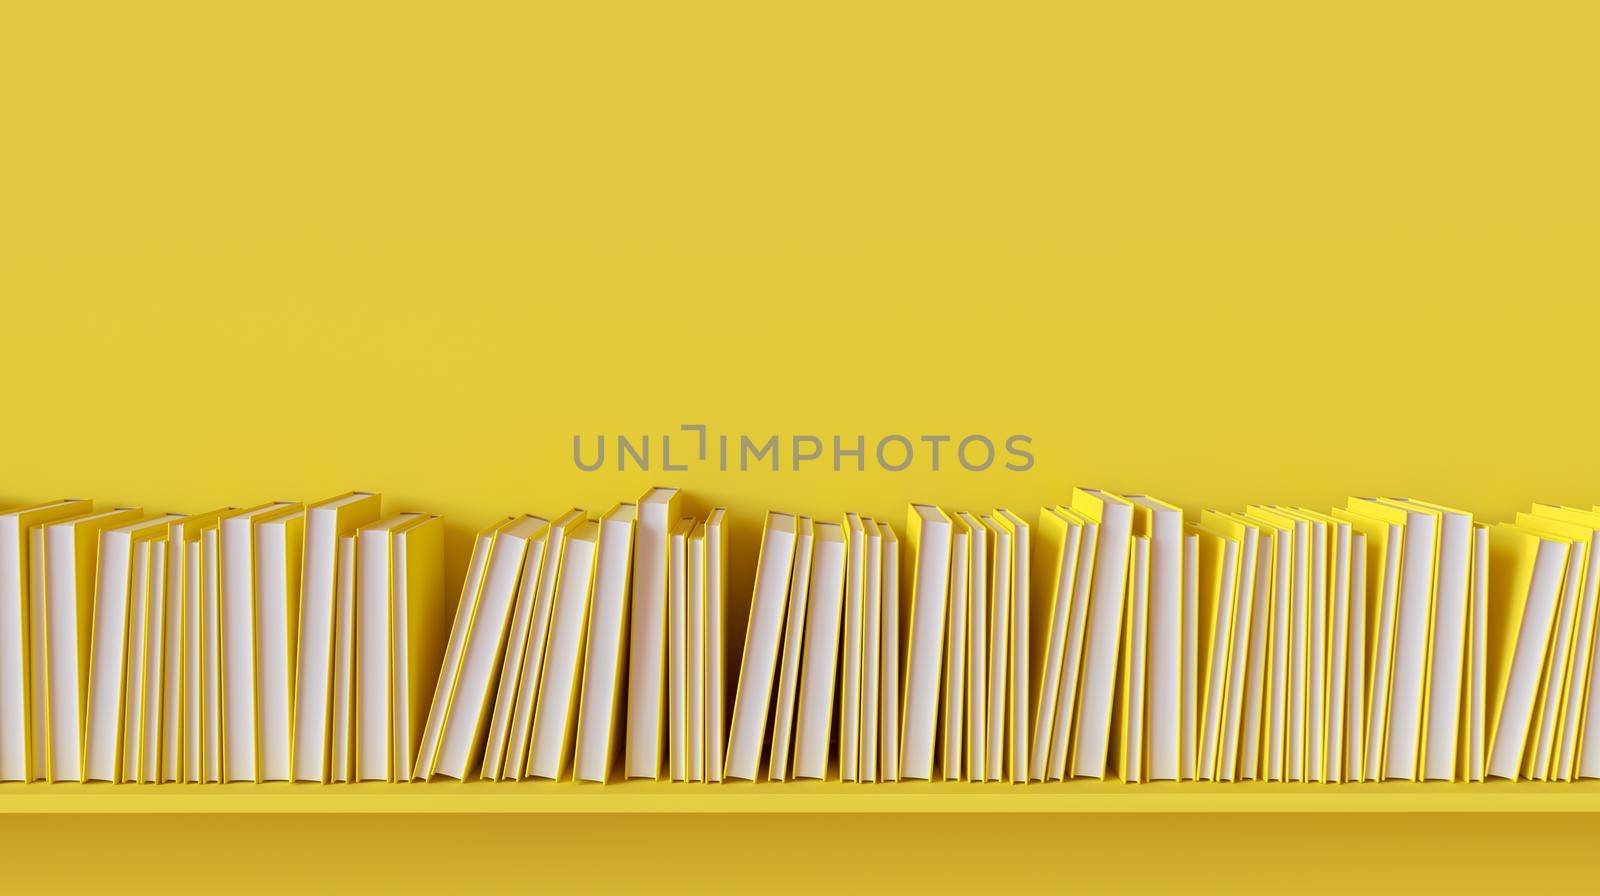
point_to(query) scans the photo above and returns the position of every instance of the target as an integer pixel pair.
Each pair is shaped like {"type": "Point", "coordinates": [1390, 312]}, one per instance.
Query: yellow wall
{"type": "Point", "coordinates": [1219, 252]}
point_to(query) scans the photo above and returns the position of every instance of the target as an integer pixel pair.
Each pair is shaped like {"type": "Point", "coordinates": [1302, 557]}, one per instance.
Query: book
{"type": "Point", "coordinates": [1019, 679]}
{"type": "Point", "coordinates": [1220, 550]}
{"type": "Point", "coordinates": [1271, 587]}
{"type": "Point", "coordinates": [1385, 546]}
{"type": "Point", "coordinates": [952, 730]}
{"type": "Point", "coordinates": [1447, 642]}
{"type": "Point", "coordinates": [928, 535]}
{"type": "Point", "coordinates": [554, 727]}
{"type": "Point", "coordinates": [850, 669]}
{"type": "Point", "coordinates": [678, 731]}
{"type": "Point", "coordinates": [419, 624]}
{"type": "Point", "coordinates": [278, 542]}
{"type": "Point", "coordinates": [659, 510]}
{"type": "Point", "coordinates": [325, 522]}
{"type": "Point", "coordinates": [783, 712]}
{"type": "Point", "coordinates": [752, 700]}
{"type": "Point", "coordinates": [601, 702]}
{"type": "Point", "coordinates": [465, 728]}
{"type": "Point", "coordinates": [1102, 638]}
{"type": "Point", "coordinates": [1477, 722]}
{"type": "Point", "coordinates": [211, 650]}
{"type": "Point", "coordinates": [820, 656]}
{"type": "Point", "coordinates": [117, 631]}
{"type": "Point", "coordinates": [1552, 682]}
{"type": "Point", "coordinates": [341, 719]}
{"type": "Point", "coordinates": [455, 648]}
{"type": "Point", "coordinates": [237, 644]}
{"type": "Point", "coordinates": [501, 742]}
{"type": "Point", "coordinates": [1065, 711]}
{"type": "Point", "coordinates": [997, 714]}
{"type": "Point", "coordinates": [129, 736]}
{"type": "Point", "coordinates": [1527, 571]}
{"type": "Point", "coordinates": [716, 574]}
{"type": "Point", "coordinates": [376, 637]}
{"type": "Point", "coordinates": [1580, 661]}
{"type": "Point", "coordinates": [871, 647]}
{"type": "Point", "coordinates": [1163, 525]}
{"type": "Point", "coordinates": [1130, 749]}
{"type": "Point", "coordinates": [151, 675]}
{"type": "Point", "coordinates": [1239, 633]}
{"type": "Point", "coordinates": [22, 679]}
{"type": "Point", "coordinates": [889, 657]}
{"type": "Point", "coordinates": [977, 664]}
{"type": "Point", "coordinates": [694, 720]}
{"type": "Point", "coordinates": [1189, 724]}
{"type": "Point", "coordinates": [65, 554]}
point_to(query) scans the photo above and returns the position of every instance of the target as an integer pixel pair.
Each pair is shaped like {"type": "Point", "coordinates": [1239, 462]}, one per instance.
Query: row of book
{"type": "Point", "coordinates": [1108, 636]}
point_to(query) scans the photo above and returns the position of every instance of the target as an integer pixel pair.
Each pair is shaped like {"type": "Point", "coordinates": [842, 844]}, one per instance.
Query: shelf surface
{"type": "Point", "coordinates": [804, 797]}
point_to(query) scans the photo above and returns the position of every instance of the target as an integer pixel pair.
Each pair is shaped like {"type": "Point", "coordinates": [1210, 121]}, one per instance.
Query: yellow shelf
{"type": "Point", "coordinates": [809, 797]}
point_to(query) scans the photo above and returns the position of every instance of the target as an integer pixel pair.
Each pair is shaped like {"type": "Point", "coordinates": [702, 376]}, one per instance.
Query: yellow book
{"type": "Point", "coordinates": [1240, 632]}
{"type": "Point", "coordinates": [1018, 676]}
{"type": "Point", "coordinates": [601, 704]}
{"type": "Point", "coordinates": [1447, 644]}
{"type": "Point", "coordinates": [850, 670]}
{"type": "Point", "coordinates": [678, 648]}
{"type": "Point", "coordinates": [1261, 734]}
{"type": "Point", "coordinates": [1131, 736]}
{"type": "Point", "coordinates": [420, 624]}
{"type": "Point", "coordinates": [325, 522]}
{"type": "Point", "coordinates": [1294, 635]}
{"type": "Point", "coordinates": [449, 670]}
{"type": "Point", "coordinates": [752, 700]}
{"type": "Point", "coordinates": [22, 678]}
{"type": "Point", "coordinates": [1219, 588]}
{"type": "Point", "coordinates": [998, 649]}
{"type": "Point", "coordinates": [717, 647]}
{"type": "Point", "coordinates": [1474, 709]}
{"type": "Point", "coordinates": [783, 715]}
{"type": "Point", "coordinates": [129, 674]}
{"type": "Point", "coordinates": [1055, 579]}
{"type": "Point", "coordinates": [64, 554]}
{"type": "Point", "coordinates": [659, 510]}
{"type": "Point", "coordinates": [1102, 636]}
{"type": "Point", "coordinates": [504, 739]}
{"type": "Point", "coordinates": [871, 649]}
{"type": "Point", "coordinates": [975, 751]}
{"type": "Point", "coordinates": [694, 725]}
{"type": "Point", "coordinates": [1526, 574]}
{"type": "Point", "coordinates": [1543, 760]}
{"type": "Point", "coordinates": [1163, 524]}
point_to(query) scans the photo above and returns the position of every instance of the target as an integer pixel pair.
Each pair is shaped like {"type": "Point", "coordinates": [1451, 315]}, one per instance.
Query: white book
{"type": "Point", "coordinates": [130, 734]}
{"type": "Point", "coordinates": [192, 690]}
{"type": "Point", "coordinates": [1165, 677]}
{"type": "Point", "coordinates": [850, 671]}
{"type": "Point", "coordinates": [1138, 648]}
{"type": "Point", "coordinates": [538, 637]}
{"type": "Point", "coordinates": [152, 674]}
{"type": "Point", "coordinates": [977, 733]}
{"type": "Point", "coordinates": [771, 591]}
{"type": "Point", "coordinates": [953, 732]}
{"type": "Point", "coordinates": [601, 698]}
{"type": "Point", "coordinates": [374, 682]}
{"type": "Point", "coordinates": [889, 675]}
{"type": "Point", "coordinates": [1219, 584]}
{"type": "Point", "coordinates": [783, 713]}
{"type": "Point", "coordinates": [1356, 667]}
{"type": "Point", "coordinates": [21, 678]}
{"type": "Point", "coordinates": [694, 725]}
{"type": "Point", "coordinates": [211, 653]}
{"type": "Point", "coordinates": [1477, 706]}
{"type": "Point", "coordinates": [1189, 723]}
{"type": "Point", "coordinates": [928, 530]}
{"type": "Point", "coordinates": [1102, 638]}
{"type": "Point", "coordinates": [341, 736]}
{"type": "Point", "coordinates": [999, 650]}
{"type": "Point", "coordinates": [1238, 654]}
{"type": "Point", "coordinates": [1528, 572]}
{"type": "Point", "coordinates": [647, 639]}
{"type": "Point", "coordinates": [553, 720]}
{"type": "Point", "coordinates": [1338, 656]}
{"type": "Point", "coordinates": [171, 670]}
{"type": "Point", "coordinates": [678, 650]}
{"type": "Point", "coordinates": [455, 648]}
{"type": "Point", "coordinates": [325, 521]}
{"type": "Point", "coordinates": [820, 656]}
{"type": "Point", "coordinates": [716, 714]}
{"type": "Point", "coordinates": [1255, 703]}
{"type": "Point", "coordinates": [466, 722]}
{"type": "Point", "coordinates": [278, 544]}
{"type": "Point", "coordinates": [1408, 682]}
{"type": "Point", "coordinates": [519, 638]}
{"type": "Point", "coordinates": [1448, 643]}
{"type": "Point", "coordinates": [1019, 686]}
{"type": "Point", "coordinates": [1065, 712]}
{"type": "Point", "coordinates": [238, 641]}
{"type": "Point", "coordinates": [871, 646]}
{"type": "Point", "coordinates": [113, 637]}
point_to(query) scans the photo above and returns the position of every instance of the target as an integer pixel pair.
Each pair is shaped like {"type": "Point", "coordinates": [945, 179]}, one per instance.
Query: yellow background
{"type": "Point", "coordinates": [1219, 252]}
